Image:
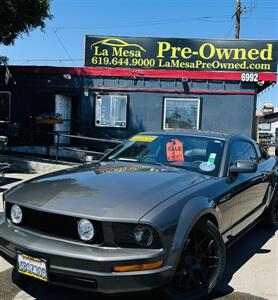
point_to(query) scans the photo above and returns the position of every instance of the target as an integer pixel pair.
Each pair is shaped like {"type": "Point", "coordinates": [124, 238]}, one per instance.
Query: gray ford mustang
{"type": "Point", "coordinates": [157, 211]}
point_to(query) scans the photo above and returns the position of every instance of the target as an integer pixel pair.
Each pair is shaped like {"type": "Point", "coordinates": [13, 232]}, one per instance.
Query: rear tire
{"type": "Point", "coordinates": [270, 216]}
{"type": "Point", "coordinates": [201, 264]}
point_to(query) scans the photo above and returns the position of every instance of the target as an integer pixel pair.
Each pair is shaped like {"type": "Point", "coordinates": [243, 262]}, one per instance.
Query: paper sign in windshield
{"type": "Point", "coordinates": [143, 138]}
{"type": "Point", "coordinates": [174, 150]}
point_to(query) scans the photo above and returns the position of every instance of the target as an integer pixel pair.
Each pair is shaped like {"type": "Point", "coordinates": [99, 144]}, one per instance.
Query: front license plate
{"type": "Point", "coordinates": [31, 266]}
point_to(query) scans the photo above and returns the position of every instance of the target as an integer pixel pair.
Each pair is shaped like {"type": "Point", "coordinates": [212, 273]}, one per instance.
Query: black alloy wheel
{"type": "Point", "coordinates": [201, 263]}
{"type": "Point", "coordinates": [270, 216]}
{"type": "Point", "coordinates": [275, 211]}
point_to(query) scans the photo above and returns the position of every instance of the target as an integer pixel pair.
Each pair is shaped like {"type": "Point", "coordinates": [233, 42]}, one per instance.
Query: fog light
{"type": "Point", "coordinates": [86, 230]}
{"type": "Point", "coordinates": [16, 214]}
{"type": "Point", "coordinates": [143, 235]}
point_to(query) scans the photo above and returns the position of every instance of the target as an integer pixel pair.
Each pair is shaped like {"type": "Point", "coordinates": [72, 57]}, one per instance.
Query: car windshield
{"type": "Point", "coordinates": [199, 154]}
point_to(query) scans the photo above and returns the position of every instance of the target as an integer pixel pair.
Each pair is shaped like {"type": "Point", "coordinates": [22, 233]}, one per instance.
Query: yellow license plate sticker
{"type": "Point", "coordinates": [143, 138]}
{"type": "Point", "coordinates": [31, 266]}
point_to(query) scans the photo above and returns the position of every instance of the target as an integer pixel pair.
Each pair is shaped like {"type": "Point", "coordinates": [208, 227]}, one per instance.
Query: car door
{"type": "Point", "coordinates": [249, 189]}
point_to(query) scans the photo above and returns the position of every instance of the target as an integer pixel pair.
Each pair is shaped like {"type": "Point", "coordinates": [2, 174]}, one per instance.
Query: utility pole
{"type": "Point", "coordinates": [237, 14]}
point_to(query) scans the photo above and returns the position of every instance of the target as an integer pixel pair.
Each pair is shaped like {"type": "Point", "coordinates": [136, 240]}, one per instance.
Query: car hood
{"type": "Point", "coordinates": [106, 191]}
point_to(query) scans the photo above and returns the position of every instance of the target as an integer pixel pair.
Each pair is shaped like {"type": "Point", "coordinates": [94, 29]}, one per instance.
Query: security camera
{"type": "Point", "coordinates": [261, 82]}
{"type": "Point", "coordinates": [67, 76]}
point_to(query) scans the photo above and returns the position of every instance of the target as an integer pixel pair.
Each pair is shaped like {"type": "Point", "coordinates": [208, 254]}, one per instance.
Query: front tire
{"type": "Point", "coordinates": [201, 263]}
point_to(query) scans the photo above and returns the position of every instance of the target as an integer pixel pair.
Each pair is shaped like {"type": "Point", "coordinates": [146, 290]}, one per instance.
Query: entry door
{"type": "Point", "coordinates": [63, 107]}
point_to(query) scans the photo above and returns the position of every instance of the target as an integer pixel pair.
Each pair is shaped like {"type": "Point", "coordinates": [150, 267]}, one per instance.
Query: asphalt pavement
{"type": "Point", "coordinates": [251, 272]}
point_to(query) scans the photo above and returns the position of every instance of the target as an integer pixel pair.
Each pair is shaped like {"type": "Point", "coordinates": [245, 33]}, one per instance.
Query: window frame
{"type": "Point", "coordinates": [198, 100]}
{"type": "Point", "coordinates": [263, 129]}
{"type": "Point", "coordinates": [126, 116]}
{"type": "Point", "coordinates": [10, 106]}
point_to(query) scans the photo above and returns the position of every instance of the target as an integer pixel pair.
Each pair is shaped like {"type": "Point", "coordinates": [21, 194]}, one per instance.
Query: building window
{"type": "Point", "coordinates": [267, 111]}
{"type": "Point", "coordinates": [5, 106]}
{"type": "Point", "coordinates": [111, 111]}
{"type": "Point", "coordinates": [181, 113]}
{"type": "Point", "coordinates": [265, 127]}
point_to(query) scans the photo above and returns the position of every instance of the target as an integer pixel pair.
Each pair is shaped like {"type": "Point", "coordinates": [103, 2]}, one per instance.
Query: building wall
{"type": "Point", "coordinates": [223, 106]}
{"type": "Point", "coordinates": [219, 112]}
{"type": "Point", "coordinates": [228, 113]}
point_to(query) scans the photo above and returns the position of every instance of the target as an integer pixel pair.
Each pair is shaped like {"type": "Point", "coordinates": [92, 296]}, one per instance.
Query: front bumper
{"type": "Point", "coordinates": [85, 266]}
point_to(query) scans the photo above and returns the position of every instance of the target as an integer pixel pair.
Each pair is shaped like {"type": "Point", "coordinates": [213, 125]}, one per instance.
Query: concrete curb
{"type": "Point", "coordinates": [32, 165]}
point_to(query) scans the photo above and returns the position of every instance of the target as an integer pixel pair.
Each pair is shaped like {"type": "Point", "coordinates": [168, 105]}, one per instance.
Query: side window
{"type": "Point", "coordinates": [261, 153]}
{"type": "Point", "coordinates": [242, 150]}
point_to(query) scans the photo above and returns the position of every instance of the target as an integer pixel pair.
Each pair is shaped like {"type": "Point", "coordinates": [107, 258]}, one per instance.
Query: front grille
{"type": "Point", "coordinates": [81, 282]}
{"type": "Point", "coordinates": [54, 224]}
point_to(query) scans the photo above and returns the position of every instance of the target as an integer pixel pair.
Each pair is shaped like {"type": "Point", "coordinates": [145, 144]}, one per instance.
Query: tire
{"type": "Point", "coordinates": [270, 216]}
{"type": "Point", "coordinates": [201, 264]}
{"type": "Point", "coordinates": [21, 279]}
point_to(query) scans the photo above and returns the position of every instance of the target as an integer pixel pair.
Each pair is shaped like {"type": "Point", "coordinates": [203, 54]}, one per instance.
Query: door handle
{"type": "Point", "coordinates": [226, 197]}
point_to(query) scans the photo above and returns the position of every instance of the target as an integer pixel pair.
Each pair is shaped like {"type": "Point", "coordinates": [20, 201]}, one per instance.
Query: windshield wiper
{"type": "Point", "coordinates": [152, 163]}
{"type": "Point", "coordinates": [138, 161]}
{"type": "Point", "coordinates": [177, 166]}
{"type": "Point", "coordinates": [125, 159]}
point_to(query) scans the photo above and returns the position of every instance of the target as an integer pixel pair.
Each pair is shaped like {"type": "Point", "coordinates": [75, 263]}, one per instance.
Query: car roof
{"type": "Point", "coordinates": [197, 133]}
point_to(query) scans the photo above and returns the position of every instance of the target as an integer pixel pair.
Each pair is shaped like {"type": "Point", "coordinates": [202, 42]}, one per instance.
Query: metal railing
{"type": "Point", "coordinates": [93, 142]}
{"type": "Point", "coordinates": [83, 138]}
{"type": "Point", "coordinates": [58, 146]}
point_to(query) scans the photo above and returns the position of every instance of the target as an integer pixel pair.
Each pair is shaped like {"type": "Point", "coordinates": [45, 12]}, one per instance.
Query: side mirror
{"type": "Point", "coordinates": [244, 166]}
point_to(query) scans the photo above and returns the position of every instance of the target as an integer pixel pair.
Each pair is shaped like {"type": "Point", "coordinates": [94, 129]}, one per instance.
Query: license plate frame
{"type": "Point", "coordinates": [32, 266]}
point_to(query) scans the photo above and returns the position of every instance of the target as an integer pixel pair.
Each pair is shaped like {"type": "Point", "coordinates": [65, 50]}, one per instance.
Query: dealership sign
{"type": "Point", "coordinates": [181, 54]}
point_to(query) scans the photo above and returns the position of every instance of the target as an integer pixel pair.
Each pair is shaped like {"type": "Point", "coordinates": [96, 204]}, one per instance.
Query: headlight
{"type": "Point", "coordinates": [129, 235]}
{"type": "Point", "coordinates": [16, 214]}
{"type": "Point", "coordinates": [143, 235]}
{"type": "Point", "coordinates": [86, 230]}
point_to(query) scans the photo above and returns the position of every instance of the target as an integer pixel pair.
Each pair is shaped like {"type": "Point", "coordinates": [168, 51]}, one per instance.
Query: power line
{"type": "Point", "coordinates": [64, 47]}
{"type": "Point", "coordinates": [138, 24]}
{"type": "Point", "coordinates": [229, 31]}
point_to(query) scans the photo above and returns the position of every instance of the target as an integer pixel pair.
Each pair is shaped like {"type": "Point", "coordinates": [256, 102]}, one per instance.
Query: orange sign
{"type": "Point", "coordinates": [174, 150]}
